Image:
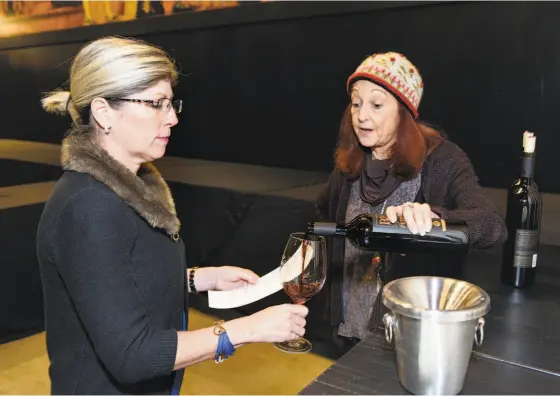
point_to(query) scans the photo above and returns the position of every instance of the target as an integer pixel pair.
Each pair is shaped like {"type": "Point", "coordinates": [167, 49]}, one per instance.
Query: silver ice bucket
{"type": "Point", "coordinates": [434, 322]}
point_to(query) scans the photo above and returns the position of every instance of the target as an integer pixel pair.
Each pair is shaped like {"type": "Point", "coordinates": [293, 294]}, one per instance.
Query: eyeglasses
{"type": "Point", "coordinates": [163, 103]}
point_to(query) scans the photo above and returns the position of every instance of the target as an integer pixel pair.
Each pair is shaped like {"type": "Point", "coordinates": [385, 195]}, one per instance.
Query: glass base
{"type": "Point", "coordinates": [301, 345]}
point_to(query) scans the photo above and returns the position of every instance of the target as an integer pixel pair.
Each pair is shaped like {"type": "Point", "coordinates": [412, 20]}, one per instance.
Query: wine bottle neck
{"type": "Point", "coordinates": [528, 166]}
{"type": "Point", "coordinates": [326, 229]}
{"type": "Point", "coordinates": [340, 230]}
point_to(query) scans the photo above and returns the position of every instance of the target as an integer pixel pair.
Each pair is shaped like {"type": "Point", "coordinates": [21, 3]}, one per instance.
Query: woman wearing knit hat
{"type": "Point", "coordinates": [388, 162]}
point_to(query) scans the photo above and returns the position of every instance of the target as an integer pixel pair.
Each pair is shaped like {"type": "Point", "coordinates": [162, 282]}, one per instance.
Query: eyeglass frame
{"type": "Point", "coordinates": [154, 103]}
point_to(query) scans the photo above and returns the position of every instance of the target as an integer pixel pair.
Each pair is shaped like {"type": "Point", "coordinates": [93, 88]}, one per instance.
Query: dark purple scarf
{"type": "Point", "coordinates": [376, 180]}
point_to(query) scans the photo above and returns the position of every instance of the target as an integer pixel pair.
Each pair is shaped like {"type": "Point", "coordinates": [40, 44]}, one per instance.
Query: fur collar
{"type": "Point", "coordinates": [147, 193]}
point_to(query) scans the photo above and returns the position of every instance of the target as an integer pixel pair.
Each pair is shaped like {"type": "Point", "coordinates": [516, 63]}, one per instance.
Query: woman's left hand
{"type": "Point", "coordinates": [418, 216]}
{"type": "Point", "coordinates": [229, 278]}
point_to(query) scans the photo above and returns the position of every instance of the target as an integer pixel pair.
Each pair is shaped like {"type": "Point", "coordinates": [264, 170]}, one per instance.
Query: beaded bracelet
{"type": "Point", "coordinates": [225, 347]}
{"type": "Point", "coordinates": [191, 280]}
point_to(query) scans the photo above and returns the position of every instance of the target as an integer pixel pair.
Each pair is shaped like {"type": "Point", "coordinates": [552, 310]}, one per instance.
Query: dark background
{"type": "Point", "coordinates": [264, 83]}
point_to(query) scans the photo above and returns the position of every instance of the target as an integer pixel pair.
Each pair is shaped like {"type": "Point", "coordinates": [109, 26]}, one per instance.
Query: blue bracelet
{"type": "Point", "coordinates": [225, 347]}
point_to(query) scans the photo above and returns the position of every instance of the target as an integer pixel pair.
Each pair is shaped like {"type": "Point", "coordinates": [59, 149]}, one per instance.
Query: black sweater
{"type": "Point", "coordinates": [114, 289]}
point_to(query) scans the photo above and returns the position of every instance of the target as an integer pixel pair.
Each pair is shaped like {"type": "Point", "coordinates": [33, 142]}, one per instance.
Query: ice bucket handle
{"type": "Point", "coordinates": [389, 322]}
{"type": "Point", "coordinates": [479, 332]}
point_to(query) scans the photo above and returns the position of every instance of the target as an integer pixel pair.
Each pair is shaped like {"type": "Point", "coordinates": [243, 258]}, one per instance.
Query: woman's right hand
{"type": "Point", "coordinates": [275, 324]}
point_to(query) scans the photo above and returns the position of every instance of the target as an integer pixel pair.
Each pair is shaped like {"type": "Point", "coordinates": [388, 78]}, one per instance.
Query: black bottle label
{"type": "Point", "coordinates": [526, 244]}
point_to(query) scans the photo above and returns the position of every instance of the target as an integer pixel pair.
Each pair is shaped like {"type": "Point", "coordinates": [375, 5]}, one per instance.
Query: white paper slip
{"type": "Point", "coordinates": [265, 286]}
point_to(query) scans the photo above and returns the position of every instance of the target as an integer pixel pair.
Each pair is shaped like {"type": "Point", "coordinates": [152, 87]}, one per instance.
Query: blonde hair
{"type": "Point", "coordinates": [109, 67]}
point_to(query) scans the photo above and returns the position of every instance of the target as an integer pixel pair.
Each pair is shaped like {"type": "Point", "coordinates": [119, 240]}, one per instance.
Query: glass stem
{"type": "Point", "coordinates": [294, 343]}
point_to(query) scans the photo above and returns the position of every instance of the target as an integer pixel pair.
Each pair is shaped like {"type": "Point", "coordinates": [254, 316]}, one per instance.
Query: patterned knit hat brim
{"type": "Point", "coordinates": [400, 97]}
{"type": "Point", "coordinates": [394, 72]}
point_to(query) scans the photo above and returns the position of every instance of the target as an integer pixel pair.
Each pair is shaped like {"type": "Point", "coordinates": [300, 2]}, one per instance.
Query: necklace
{"type": "Point", "coordinates": [383, 207]}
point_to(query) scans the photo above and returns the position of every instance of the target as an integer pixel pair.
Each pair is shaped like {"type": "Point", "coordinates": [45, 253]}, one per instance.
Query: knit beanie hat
{"type": "Point", "coordinates": [396, 74]}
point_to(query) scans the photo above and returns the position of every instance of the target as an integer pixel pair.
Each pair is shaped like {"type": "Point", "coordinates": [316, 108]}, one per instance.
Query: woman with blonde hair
{"type": "Point", "coordinates": [112, 262]}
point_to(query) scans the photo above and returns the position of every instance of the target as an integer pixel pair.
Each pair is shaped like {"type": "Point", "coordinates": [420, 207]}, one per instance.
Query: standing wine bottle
{"type": "Point", "coordinates": [377, 233]}
{"type": "Point", "coordinates": [523, 219]}
{"type": "Point", "coordinates": [527, 135]}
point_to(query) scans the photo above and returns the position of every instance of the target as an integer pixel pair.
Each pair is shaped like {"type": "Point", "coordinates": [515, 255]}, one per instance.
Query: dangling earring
{"type": "Point", "coordinates": [107, 130]}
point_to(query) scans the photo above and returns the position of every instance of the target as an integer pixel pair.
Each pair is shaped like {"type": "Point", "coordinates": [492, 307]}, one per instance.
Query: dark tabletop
{"type": "Point", "coordinates": [369, 368]}
{"type": "Point", "coordinates": [520, 353]}
{"type": "Point", "coordinates": [523, 325]}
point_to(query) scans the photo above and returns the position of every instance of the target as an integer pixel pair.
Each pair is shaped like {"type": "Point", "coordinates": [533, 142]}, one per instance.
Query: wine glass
{"type": "Point", "coordinates": [303, 271]}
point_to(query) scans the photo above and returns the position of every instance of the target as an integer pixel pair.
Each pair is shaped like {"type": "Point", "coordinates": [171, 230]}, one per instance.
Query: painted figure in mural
{"type": "Point", "coordinates": [96, 12]}
{"type": "Point", "coordinates": [91, 12]}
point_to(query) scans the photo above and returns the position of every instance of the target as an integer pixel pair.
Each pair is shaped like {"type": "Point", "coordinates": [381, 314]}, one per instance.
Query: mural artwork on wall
{"type": "Point", "coordinates": [26, 17]}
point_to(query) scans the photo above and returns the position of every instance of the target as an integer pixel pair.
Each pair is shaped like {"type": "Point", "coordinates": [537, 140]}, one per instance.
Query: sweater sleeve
{"type": "Point", "coordinates": [93, 240]}
{"type": "Point", "coordinates": [468, 202]}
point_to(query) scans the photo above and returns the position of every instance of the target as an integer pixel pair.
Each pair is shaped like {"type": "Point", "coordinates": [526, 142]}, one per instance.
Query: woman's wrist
{"type": "Point", "coordinates": [191, 286]}
{"type": "Point", "coordinates": [238, 331]}
{"type": "Point", "coordinates": [202, 278]}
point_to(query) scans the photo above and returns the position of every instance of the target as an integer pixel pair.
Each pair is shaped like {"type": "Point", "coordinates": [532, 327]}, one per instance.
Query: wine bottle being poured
{"type": "Point", "coordinates": [377, 233]}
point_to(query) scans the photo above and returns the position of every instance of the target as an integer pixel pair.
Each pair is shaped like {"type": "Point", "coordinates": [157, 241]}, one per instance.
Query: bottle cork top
{"type": "Point", "coordinates": [529, 142]}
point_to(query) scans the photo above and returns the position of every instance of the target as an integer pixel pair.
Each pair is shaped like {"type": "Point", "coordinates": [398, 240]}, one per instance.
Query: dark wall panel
{"type": "Point", "coordinates": [265, 86]}
{"type": "Point", "coordinates": [21, 293]}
